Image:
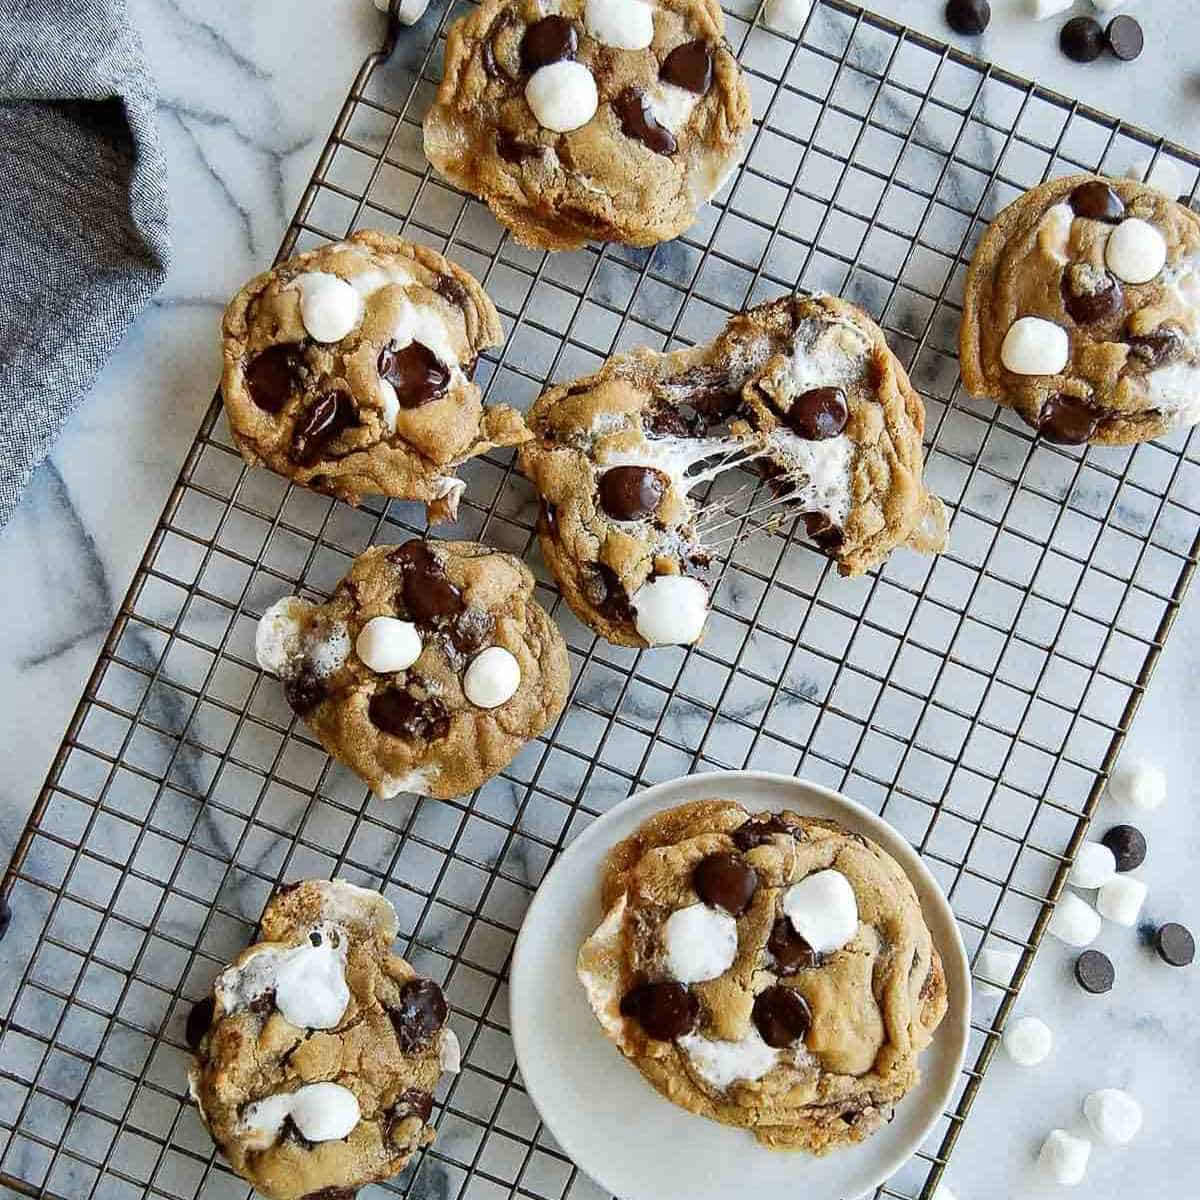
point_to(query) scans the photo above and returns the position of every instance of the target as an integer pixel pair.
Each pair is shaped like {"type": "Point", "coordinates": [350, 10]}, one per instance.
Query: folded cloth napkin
{"type": "Point", "coordinates": [83, 213]}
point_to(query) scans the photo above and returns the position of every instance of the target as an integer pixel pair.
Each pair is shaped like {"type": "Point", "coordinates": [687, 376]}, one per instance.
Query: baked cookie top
{"type": "Point", "coordinates": [773, 972]}
{"type": "Point", "coordinates": [578, 119]}
{"type": "Point", "coordinates": [426, 671]}
{"type": "Point", "coordinates": [349, 369]}
{"type": "Point", "coordinates": [1082, 311]}
{"type": "Point", "coordinates": [317, 1055]}
{"type": "Point", "coordinates": [802, 390]}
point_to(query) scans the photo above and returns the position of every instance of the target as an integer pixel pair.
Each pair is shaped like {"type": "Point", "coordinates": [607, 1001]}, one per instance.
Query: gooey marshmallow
{"type": "Point", "coordinates": [1064, 1157]}
{"type": "Point", "coordinates": [670, 610]}
{"type": "Point", "coordinates": [1138, 783]}
{"type": "Point", "coordinates": [1028, 1041]}
{"type": "Point", "coordinates": [562, 96]}
{"type": "Point", "coordinates": [823, 910]}
{"type": "Point", "coordinates": [329, 307]}
{"type": "Point", "coordinates": [1115, 1115]}
{"type": "Point", "coordinates": [1094, 865]}
{"type": "Point", "coordinates": [1033, 346]}
{"type": "Point", "coordinates": [1136, 251]}
{"type": "Point", "coordinates": [387, 644]}
{"type": "Point", "coordinates": [699, 943]}
{"type": "Point", "coordinates": [1120, 900]}
{"type": "Point", "coordinates": [1074, 921]}
{"type": "Point", "coordinates": [720, 1063]}
{"type": "Point", "coordinates": [625, 24]}
{"type": "Point", "coordinates": [323, 1112]}
{"type": "Point", "coordinates": [787, 16]}
{"type": "Point", "coordinates": [492, 677]}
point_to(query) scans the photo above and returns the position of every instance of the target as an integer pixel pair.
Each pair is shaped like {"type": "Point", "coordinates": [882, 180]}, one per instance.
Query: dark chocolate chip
{"type": "Point", "coordinates": [5, 916]}
{"type": "Point", "coordinates": [304, 691]}
{"type": "Point", "coordinates": [513, 150]}
{"type": "Point", "coordinates": [425, 591]}
{"type": "Point", "coordinates": [614, 602]}
{"type": "Point", "coordinates": [1082, 39]}
{"type": "Point", "coordinates": [631, 493]}
{"type": "Point", "coordinates": [1090, 295]}
{"type": "Point", "coordinates": [290, 1132]}
{"type": "Point", "coordinates": [822, 531]}
{"type": "Point", "coordinates": [451, 289]}
{"type": "Point", "coordinates": [968, 17]}
{"type": "Point", "coordinates": [689, 66]}
{"type": "Point", "coordinates": [1096, 201]}
{"type": "Point", "coordinates": [418, 1014]}
{"type": "Point", "coordinates": [1067, 420]}
{"type": "Point", "coordinates": [413, 1102]}
{"type": "Point", "coordinates": [1175, 944]}
{"type": "Point", "coordinates": [404, 716]}
{"type": "Point", "coordinates": [273, 376]}
{"type": "Point", "coordinates": [329, 415]}
{"type": "Point", "coordinates": [1125, 37]}
{"type": "Point", "coordinates": [789, 949]}
{"type": "Point", "coordinates": [1149, 351]}
{"type": "Point", "coordinates": [1128, 845]}
{"type": "Point", "coordinates": [417, 374]}
{"type": "Point", "coordinates": [818, 414]}
{"type": "Point", "coordinates": [1094, 971]}
{"type": "Point", "coordinates": [331, 1193]}
{"type": "Point", "coordinates": [199, 1020]}
{"type": "Point", "coordinates": [760, 830]}
{"type": "Point", "coordinates": [549, 40]}
{"type": "Point", "coordinates": [637, 121]}
{"type": "Point", "coordinates": [472, 631]}
{"type": "Point", "coordinates": [665, 420]}
{"type": "Point", "coordinates": [664, 1010]}
{"type": "Point", "coordinates": [725, 881]}
{"type": "Point", "coordinates": [781, 1015]}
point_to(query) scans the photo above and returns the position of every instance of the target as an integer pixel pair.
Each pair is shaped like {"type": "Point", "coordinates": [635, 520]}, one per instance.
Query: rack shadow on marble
{"type": "Point", "coordinates": [977, 701]}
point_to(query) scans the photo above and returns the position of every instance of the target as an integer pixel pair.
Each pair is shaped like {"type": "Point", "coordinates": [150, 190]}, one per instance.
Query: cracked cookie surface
{"type": "Point", "coordinates": [773, 972]}
{"type": "Point", "coordinates": [349, 369]}
{"type": "Point", "coordinates": [577, 119]}
{"type": "Point", "coordinates": [318, 1053]}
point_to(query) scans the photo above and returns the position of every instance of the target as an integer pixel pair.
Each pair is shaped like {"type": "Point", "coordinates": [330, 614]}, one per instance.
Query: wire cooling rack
{"type": "Point", "coordinates": [976, 700]}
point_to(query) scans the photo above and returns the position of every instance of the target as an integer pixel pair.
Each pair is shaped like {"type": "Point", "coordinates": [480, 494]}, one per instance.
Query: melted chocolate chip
{"type": "Point", "coordinates": [452, 290]}
{"type": "Point", "coordinates": [331, 1193]}
{"type": "Point", "coordinates": [1096, 201]}
{"type": "Point", "coordinates": [413, 1102]}
{"type": "Point", "coordinates": [418, 1014]}
{"type": "Point", "coordinates": [329, 415]}
{"type": "Point", "coordinates": [818, 414]}
{"type": "Point", "coordinates": [789, 949]}
{"type": "Point", "coordinates": [631, 493]}
{"type": "Point", "coordinates": [1090, 295]}
{"type": "Point", "coordinates": [547, 41]}
{"type": "Point", "coordinates": [274, 375]}
{"type": "Point", "coordinates": [665, 420]}
{"type": "Point", "coordinates": [303, 691]}
{"type": "Point", "coordinates": [664, 1010]}
{"type": "Point", "coordinates": [426, 593]}
{"type": "Point", "coordinates": [513, 150]}
{"type": "Point", "coordinates": [1067, 420]}
{"type": "Point", "coordinates": [290, 1132]}
{"type": "Point", "coordinates": [404, 716]}
{"type": "Point", "coordinates": [689, 66]}
{"type": "Point", "coordinates": [417, 374]}
{"type": "Point", "coordinates": [760, 830]}
{"type": "Point", "coordinates": [725, 881]}
{"type": "Point", "coordinates": [614, 603]}
{"type": "Point", "coordinates": [1150, 350]}
{"type": "Point", "coordinates": [199, 1020]}
{"type": "Point", "coordinates": [637, 121]}
{"type": "Point", "coordinates": [472, 631]}
{"type": "Point", "coordinates": [822, 531]}
{"type": "Point", "coordinates": [781, 1015]}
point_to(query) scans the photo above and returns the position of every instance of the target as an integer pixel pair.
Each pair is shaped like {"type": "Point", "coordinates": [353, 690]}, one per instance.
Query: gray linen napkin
{"type": "Point", "coordinates": [83, 213]}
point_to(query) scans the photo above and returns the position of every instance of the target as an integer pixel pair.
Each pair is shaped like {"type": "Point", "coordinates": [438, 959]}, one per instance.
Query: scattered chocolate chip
{"type": "Point", "coordinates": [452, 290]}
{"type": "Point", "coordinates": [818, 414]}
{"type": "Point", "coordinates": [631, 493]}
{"type": "Point", "coordinates": [781, 1015]}
{"type": "Point", "coordinates": [199, 1020]}
{"type": "Point", "coordinates": [725, 881]}
{"type": "Point", "coordinates": [1082, 39]}
{"type": "Point", "coordinates": [760, 830]}
{"type": "Point", "coordinates": [1128, 845]}
{"type": "Point", "coordinates": [968, 17]}
{"type": "Point", "coordinates": [418, 1014]}
{"type": "Point", "coordinates": [1175, 944]}
{"type": "Point", "coordinates": [664, 1010]}
{"type": "Point", "coordinates": [1094, 971]}
{"type": "Point", "coordinates": [417, 374]}
{"type": "Point", "coordinates": [1090, 294]}
{"type": "Point", "coordinates": [1096, 201]}
{"type": "Point", "coordinates": [425, 591]}
{"type": "Point", "coordinates": [404, 716]}
{"type": "Point", "coordinates": [1149, 351]}
{"type": "Point", "coordinates": [413, 1102]}
{"type": "Point", "coordinates": [549, 40]}
{"type": "Point", "coordinates": [304, 691]}
{"type": "Point", "coordinates": [689, 66]}
{"type": "Point", "coordinates": [789, 949]}
{"type": "Point", "coordinates": [1125, 38]}
{"type": "Point", "coordinates": [637, 121]}
{"type": "Point", "coordinates": [513, 150]}
{"type": "Point", "coordinates": [274, 375]}
{"type": "Point", "coordinates": [329, 415]}
{"type": "Point", "coordinates": [1067, 420]}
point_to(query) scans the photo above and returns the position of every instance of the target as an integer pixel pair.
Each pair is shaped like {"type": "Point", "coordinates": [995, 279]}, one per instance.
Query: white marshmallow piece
{"type": "Point", "coordinates": [450, 1052]}
{"type": "Point", "coordinates": [1074, 921]}
{"type": "Point", "coordinates": [1028, 1041]}
{"type": "Point", "coordinates": [1033, 346]}
{"type": "Point", "coordinates": [1163, 175]}
{"type": "Point", "coordinates": [409, 12]}
{"type": "Point", "coordinates": [277, 636]}
{"type": "Point", "coordinates": [1115, 1115]}
{"type": "Point", "coordinates": [387, 644]}
{"type": "Point", "coordinates": [562, 96]}
{"type": "Point", "coordinates": [721, 1063]}
{"type": "Point", "coordinates": [1094, 866]}
{"type": "Point", "coordinates": [1107, 5]}
{"type": "Point", "coordinates": [1120, 900]}
{"type": "Point", "coordinates": [1136, 252]}
{"type": "Point", "coordinates": [1140, 784]}
{"type": "Point", "coordinates": [699, 943]}
{"type": "Point", "coordinates": [1064, 1157]}
{"type": "Point", "coordinates": [492, 677]}
{"type": "Point", "coordinates": [329, 307]}
{"type": "Point", "coordinates": [787, 16]}
{"type": "Point", "coordinates": [997, 966]}
{"type": "Point", "coordinates": [1041, 9]}
{"type": "Point", "coordinates": [670, 610]}
{"type": "Point", "coordinates": [323, 1112]}
{"type": "Point", "coordinates": [625, 24]}
{"type": "Point", "coordinates": [823, 910]}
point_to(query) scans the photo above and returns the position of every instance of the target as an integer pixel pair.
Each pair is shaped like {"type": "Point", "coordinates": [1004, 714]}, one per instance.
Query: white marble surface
{"type": "Point", "coordinates": [245, 108]}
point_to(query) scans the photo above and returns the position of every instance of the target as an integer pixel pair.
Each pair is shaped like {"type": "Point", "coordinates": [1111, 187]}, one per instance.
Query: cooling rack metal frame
{"type": "Point", "coordinates": [977, 701]}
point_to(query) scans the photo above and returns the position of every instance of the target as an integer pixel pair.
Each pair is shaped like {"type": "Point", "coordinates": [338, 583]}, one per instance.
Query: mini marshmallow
{"type": "Point", "coordinates": [1041, 9]}
{"type": "Point", "coordinates": [1120, 900]}
{"type": "Point", "coordinates": [1033, 346]}
{"type": "Point", "coordinates": [699, 943]}
{"type": "Point", "coordinates": [625, 24]}
{"type": "Point", "coordinates": [1138, 783]}
{"type": "Point", "coordinates": [492, 677]}
{"type": "Point", "coordinates": [386, 644]}
{"type": "Point", "coordinates": [1094, 866]}
{"type": "Point", "coordinates": [1136, 251]}
{"type": "Point", "coordinates": [787, 16]}
{"type": "Point", "coordinates": [1064, 1157]}
{"type": "Point", "coordinates": [1108, 5]}
{"type": "Point", "coordinates": [450, 1052]}
{"type": "Point", "coordinates": [823, 910]}
{"type": "Point", "coordinates": [1074, 921]}
{"type": "Point", "coordinates": [323, 1112]}
{"type": "Point", "coordinates": [329, 307]}
{"type": "Point", "coordinates": [562, 96]}
{"type": "Point", "coordinates": [997, 966]}
{"type": "Point", "coordinates": [670, 610]}
{"type": "Point", "coordinates": [1028, 1041]}
{"type": "Point", "coordinates": [1115, 1115]}
{"type": "Point", "coordinates": [1164, 175]}
{"type": "Point", "coordinates": [721, 1063]}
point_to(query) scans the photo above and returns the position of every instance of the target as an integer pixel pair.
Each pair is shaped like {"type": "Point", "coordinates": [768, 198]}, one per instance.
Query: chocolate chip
{"type": "Point", "coordinates": [1148, 351]}
{"type": "Point", "coordinates": [290, 1132]}
{"type": "Point", "coordinates": [274, 375]}
{"type": "Point", "coordinates": [664, 1010]}
{"type": "Point", "coordinates": [1096, 201]}
{"type": "Point", "coordinates": [418, 1014]}
{"type": "Point", "coordinates": [413, 1102]}
{"type": "Point", "coordinates": [1082, 39]}
{"type": "Point", "coordinates": [614, 599]}
{"type": "Point", "coordinates": [417, 374]}
{"type": "Point", "coordinates": [452, 290]}
{"type": "Point", "coordinates": [1090, 295]}
{"type": "Point", "coordinates": [1175, 944]}
{"type": "Point", "coordinates": [199, 1020]}
{"type": "Point", "coordinates": [631, 493]}
{"type": "Point", "coordinates": [789, 949]}
{"type": "Point", "coordinates": [781, 1015]}
{"type": "Point", "coordinates": [1067, 420]}
{"type": "Point", "coordinates": [1094, 971]}
{"type": "Point", "coordinates": [472, 630]}
{"type": "Point", "coordinates": [760, 830]}
{"type": "Point", "coordinates": [637, 121]}
{"type": "Point", "coordinates": [725, 881]}
{"type": "Point", "coordinates": [304, 691]}
{"type": "Point", "coordinates": [513, 150]}
{"type": "Point", "coordinates": [425, 591]}
{"type": "Point", "coordinates": [818, 414]}
{"type": "Point", "coordinates": [1125, 37]}
{"type": "Point", "coordinates": [549, 40]}
{"type": "Point", "coordinates": [968, 17]}
{"type": "Point", "coordinates": [328, 416]}
{"type": "Point", "coordinates": [1128, 846]}
{"type": "Point", "coordinates": [404, 716]}
{"type": "Point", "coordinates": [689, 66]}
{"type": "Point", "coordinates": [822, 531]}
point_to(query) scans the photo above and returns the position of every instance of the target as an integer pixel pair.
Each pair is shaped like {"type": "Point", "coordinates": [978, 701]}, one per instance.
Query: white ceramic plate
{"type": "Point", "coordinates": [614, 1125]}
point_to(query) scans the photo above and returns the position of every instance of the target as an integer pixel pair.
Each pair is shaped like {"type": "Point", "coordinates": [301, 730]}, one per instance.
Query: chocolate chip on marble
{"type": "Point", "coordinates": [1097, 201]}
{"type": "Point", "coordinates": [725, 881]}
{"type": "Point", "coordinates": [818, 414]}
{"type": "Point", "coordinates": [1094, 972]}
{"type": "Point", "coordinates": [1090, 294]}
{"type": "Point", "coordinates": [1175, 944]}
{"type": "Point", "coordinates": [637, 121]}
{"type": "Point", "coordinates": [199, 1020]}
{"type": "Point", "coordinates": [330, 414]}
{"type": "Point", "coordinates": [405, 716]}
{"type": "Point", "coordinates": [1125, 37]}
{"type": "Point", "coordinates": [418, 1014]}
{"type": "Point", "coordinates": [1082, 39]}
{"type": "Point", "coordinates": [274, 375]}
{"type": "Point", "coordinates": [1067, 420]}
{"type": "Point", "coordinates": [781, 1015]}
{"type": "Point", "coordinates": [416, 373]}
{"type": "Point", "coordinates": [547, 41]}
{"type": "Point", "coordinates": [664, 1010]}
{"type": "Point", "coordinates": [1128, 845]}
{"type": "Point", "coordinates": [689, 66]}
{"type": "Point", "coordinates": [968, 17]}
{"type": "Point", "coordinates": [631, 493]}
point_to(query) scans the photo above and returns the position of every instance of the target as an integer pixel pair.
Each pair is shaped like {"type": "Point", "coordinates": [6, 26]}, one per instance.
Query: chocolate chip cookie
{"type": "Point", "coordinates": [427, 670]}
{"type": "Point", "coordinates": [773, 972]}
{"type": "Point", "coordinates": [803, 391]}
{"type": "Point", "coordinates": [606, 119]}
{"type": "Point", "coordinates": [1082, 311]}
{"type": "Point", "coordinates": [319, 1050]}
{"type": "Point", "coordinates": [349, 369]}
